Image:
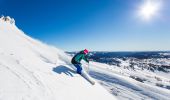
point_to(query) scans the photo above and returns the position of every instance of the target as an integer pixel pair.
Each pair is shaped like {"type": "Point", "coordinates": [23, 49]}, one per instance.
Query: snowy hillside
{"type": "Point", "coordinates": [31, 70]}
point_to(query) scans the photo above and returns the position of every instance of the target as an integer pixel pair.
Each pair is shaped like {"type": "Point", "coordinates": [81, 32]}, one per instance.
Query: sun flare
{"type": "Point", "coordinates": [149, 9]}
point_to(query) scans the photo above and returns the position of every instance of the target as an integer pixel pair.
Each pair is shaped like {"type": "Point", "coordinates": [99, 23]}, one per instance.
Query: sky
{"type": "Point", "coordinates": [97, 25]}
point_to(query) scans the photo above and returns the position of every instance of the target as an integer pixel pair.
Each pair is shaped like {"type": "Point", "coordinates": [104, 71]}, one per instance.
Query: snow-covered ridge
{"type": "Point", "coordinates": [32, 70]}
{"type": "Point", "coordinates": [7, 19]}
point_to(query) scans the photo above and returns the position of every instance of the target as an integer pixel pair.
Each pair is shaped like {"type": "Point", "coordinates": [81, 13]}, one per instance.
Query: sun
{"type": "Point", "coordinates": [149, 9]}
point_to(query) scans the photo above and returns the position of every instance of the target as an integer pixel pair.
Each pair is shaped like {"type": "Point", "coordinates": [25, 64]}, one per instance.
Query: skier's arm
{"type": "Point", "coordinates": [85, 58]}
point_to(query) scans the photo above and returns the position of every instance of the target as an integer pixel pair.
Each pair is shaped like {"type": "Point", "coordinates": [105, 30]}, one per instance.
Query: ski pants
{"type": "Point", "coordinates": [79, 68]}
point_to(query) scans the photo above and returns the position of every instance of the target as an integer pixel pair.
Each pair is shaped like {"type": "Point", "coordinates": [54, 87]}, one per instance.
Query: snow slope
{"type": "Point", "coordinates": [31, 70]}
{"type": "Point", "coordinates": [118, 81]}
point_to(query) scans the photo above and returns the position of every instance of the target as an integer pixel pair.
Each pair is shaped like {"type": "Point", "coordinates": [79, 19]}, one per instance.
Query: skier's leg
{"type": "Point", "coordinates": [84, 74]}
{"type": "Point", "coordinates": [87, 77]}
{"type": "Point", "coordinates": [79, 68]}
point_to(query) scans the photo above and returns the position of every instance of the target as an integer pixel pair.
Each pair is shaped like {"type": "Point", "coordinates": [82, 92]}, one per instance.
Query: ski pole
{"type": "Point", "coordinates": [88, 68]}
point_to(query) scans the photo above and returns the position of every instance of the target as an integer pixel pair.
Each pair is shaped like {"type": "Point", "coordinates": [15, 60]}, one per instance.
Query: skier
{"type": "Point", "coordinates": [76, 62]}
{"type": "Point", "coordinates": [77, 59]}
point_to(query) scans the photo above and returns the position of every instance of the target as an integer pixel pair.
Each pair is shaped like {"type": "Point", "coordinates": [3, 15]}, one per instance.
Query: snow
{"type": "Point", "coordinates": [32, 70]}
{"type": "Point", "coordinates": [117, 80]}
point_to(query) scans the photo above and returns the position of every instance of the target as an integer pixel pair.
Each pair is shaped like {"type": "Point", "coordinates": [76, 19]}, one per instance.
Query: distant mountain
{"type": "Point", "coordinates": [156, 60]}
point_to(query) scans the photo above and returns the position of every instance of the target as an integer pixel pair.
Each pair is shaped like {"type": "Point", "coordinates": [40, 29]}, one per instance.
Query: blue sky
{"type": "Point", "coordinates": [98, 25]}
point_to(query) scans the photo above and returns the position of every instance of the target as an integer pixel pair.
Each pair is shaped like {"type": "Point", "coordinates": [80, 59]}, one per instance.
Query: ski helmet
{"type": "Point", "coordinates": [86, 51]}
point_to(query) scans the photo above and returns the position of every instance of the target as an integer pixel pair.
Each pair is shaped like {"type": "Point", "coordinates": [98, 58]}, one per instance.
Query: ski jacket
{"type": "Point", "coordinates": [78, 57]}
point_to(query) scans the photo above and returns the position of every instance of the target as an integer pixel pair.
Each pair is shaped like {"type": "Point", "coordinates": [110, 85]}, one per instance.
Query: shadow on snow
{"type": "Point", "coordinates": [63, 69]}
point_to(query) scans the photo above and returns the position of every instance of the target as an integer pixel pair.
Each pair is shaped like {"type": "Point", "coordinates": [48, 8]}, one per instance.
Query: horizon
{"type": "Point", "coordinates": [122, 51]}
{"type": "Point", "coordinates": [97, 25]}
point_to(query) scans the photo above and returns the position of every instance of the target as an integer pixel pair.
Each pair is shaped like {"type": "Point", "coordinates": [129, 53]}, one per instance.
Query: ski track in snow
{"type": "Point", "coordinates": [124, 86]}
{"type": "Point", "coordinates": [17, 75]}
